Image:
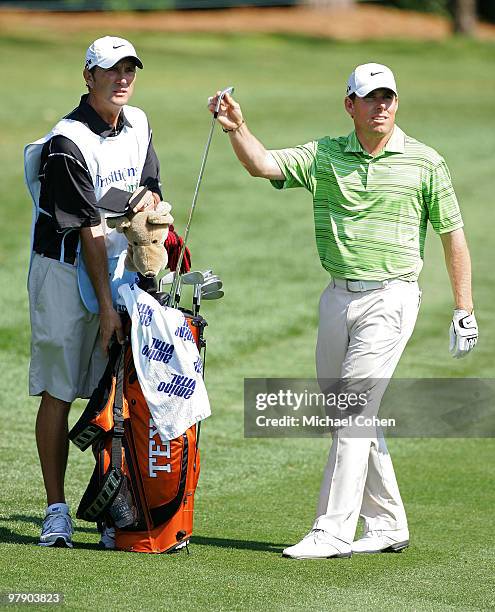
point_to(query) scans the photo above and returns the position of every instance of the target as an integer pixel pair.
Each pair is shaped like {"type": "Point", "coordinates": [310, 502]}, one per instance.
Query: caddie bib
{"type": "Point", "coordinates": [115, 161]}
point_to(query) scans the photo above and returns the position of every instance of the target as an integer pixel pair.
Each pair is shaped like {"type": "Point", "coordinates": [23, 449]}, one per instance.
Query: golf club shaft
{"type": "Point", "coordinates": [196, 191]}
{"type": "Point", "coordinates": [196, 299]}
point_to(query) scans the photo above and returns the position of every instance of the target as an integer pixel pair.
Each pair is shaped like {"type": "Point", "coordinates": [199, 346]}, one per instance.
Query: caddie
{"type": "Point", "coordinates": [103, 143]}
{"type": "Point", "coordinates": [373, 193]}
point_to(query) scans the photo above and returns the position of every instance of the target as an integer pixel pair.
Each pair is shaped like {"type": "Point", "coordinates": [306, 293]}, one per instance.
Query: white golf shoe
{"type": "Point", "coordinates": [318, 544]}
{"type": "Point", "coordinates": [57, 527]}
{"type": "Point", "coordinates": [382, 541]}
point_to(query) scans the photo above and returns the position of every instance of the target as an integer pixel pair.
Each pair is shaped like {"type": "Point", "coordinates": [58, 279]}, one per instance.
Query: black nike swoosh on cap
{"type": "Point", "coordinates": [371, 73]}
{"type": "Point", "coordinates": [118, 46]}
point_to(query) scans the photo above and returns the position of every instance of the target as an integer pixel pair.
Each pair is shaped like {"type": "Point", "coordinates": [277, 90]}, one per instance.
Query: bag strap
{"type": "Point", "coordinates": [118, 411]}
{"type": "Point", "coordinates": [86, 431]}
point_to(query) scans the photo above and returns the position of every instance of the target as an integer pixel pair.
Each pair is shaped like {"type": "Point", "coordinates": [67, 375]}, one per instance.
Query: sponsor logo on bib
{"type": "Point", "coordinates": [120, 175]}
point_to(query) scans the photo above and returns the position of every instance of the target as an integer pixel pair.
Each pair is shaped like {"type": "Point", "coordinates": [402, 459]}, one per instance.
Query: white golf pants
{"type": "Point", "coordinates": [361, 335]}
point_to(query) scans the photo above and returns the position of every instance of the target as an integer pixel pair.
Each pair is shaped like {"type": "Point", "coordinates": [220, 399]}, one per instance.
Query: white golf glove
{"type": "Point", "coordinates": [463, 333]}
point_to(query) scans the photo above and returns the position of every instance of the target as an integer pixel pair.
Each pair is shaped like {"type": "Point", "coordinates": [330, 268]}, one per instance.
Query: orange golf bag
{"type": "Point", "coordinates": [142, 485]}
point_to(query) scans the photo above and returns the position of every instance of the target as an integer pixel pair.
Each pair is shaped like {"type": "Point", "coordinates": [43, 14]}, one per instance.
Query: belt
{"type": "Point", "coordinates": [357, 286]}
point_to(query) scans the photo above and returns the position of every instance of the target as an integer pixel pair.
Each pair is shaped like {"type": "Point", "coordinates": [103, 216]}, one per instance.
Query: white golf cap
{"type": "Point", "coordinates": [367, 77]}
{"type": "Point", "coordinates": [107, 51]}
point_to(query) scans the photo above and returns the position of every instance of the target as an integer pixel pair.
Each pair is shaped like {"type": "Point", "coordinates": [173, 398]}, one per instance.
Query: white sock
{"type": "Point", "coordinates": [58, 507]}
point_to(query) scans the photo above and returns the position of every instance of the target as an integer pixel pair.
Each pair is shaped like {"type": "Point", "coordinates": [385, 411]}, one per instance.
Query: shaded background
{"type": "Point", "coordinates": [289, 66]}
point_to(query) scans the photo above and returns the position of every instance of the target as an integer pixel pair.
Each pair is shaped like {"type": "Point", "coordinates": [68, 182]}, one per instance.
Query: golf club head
{"type": "Point", "coordinates": [167, 279]}
{"type": "Point", "coordinates": [213, 295]}
{"type": "Point", "coordinates": [193, 278]}
{"type": "Point", "coordinates": [208, 275]}
{"type": "Point", "coordinates": [212, 284]}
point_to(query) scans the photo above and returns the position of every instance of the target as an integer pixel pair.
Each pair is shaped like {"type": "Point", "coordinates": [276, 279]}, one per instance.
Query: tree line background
{"type": "Point", "coordinates": [464, 13]}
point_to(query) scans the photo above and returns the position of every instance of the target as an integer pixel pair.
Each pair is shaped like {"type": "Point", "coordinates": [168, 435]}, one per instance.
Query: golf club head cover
{"type": "Point", "coordinates": [173, 245]}
{"type": "Point", "coordinates": [146, 232]}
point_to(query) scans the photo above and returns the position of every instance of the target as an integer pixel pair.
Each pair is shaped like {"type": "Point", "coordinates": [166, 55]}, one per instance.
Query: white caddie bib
{"type": "Point", "coordinates": [115, 161]}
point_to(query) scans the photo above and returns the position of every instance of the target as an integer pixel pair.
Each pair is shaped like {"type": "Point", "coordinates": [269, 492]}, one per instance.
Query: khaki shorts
{"type": "Point", "coordinates": [66, 357]}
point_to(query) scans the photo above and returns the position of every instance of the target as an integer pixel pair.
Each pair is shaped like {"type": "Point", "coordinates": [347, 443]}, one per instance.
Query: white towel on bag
{"type": "Point", "coordinates": [167, 362]}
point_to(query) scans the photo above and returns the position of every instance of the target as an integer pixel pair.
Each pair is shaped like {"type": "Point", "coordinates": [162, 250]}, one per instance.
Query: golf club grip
{"type": "Point", "coordinates": [227, 90]}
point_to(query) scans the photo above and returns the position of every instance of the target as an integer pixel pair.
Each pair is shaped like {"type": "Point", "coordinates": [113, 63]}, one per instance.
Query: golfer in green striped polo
{"type": "Point", "coordinates": [374, 192]}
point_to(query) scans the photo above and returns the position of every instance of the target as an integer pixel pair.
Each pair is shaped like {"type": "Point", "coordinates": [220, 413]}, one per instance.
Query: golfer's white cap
{"type": "Point", "coordinates": [107, 51]}
{"type": "Point", "coordinates": [367, 77]}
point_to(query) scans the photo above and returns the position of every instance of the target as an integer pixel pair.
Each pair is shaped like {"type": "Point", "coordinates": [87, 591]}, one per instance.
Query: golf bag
{"type": "Point", "coordinates": [142, 485]}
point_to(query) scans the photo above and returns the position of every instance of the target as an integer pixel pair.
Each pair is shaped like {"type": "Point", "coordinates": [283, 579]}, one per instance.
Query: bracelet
{"type": "Point", "coordinates": [233, 129]}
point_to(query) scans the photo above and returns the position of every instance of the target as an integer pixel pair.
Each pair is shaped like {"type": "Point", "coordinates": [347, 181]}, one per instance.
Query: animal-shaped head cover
{"type": "Point", "coordinates": [146, 232]}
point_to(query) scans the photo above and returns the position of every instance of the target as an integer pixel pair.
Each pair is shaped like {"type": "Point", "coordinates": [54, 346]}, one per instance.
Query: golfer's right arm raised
{"type": "Point", "coordinates": [249, 150]}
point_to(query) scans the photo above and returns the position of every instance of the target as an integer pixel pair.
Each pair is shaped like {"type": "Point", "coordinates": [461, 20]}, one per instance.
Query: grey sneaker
{"type": "Point", "coordinates": [107, 538]}
{"type": "Point", "coordinates": [57, 527]}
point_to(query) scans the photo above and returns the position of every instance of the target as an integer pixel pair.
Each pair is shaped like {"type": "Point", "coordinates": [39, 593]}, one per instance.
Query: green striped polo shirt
{"type": "Point", "coordinates": [371, 213]}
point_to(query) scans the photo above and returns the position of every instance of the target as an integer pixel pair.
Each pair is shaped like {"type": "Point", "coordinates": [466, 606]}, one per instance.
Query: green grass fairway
{"type": "Point", "coordinates": [257, 496]}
